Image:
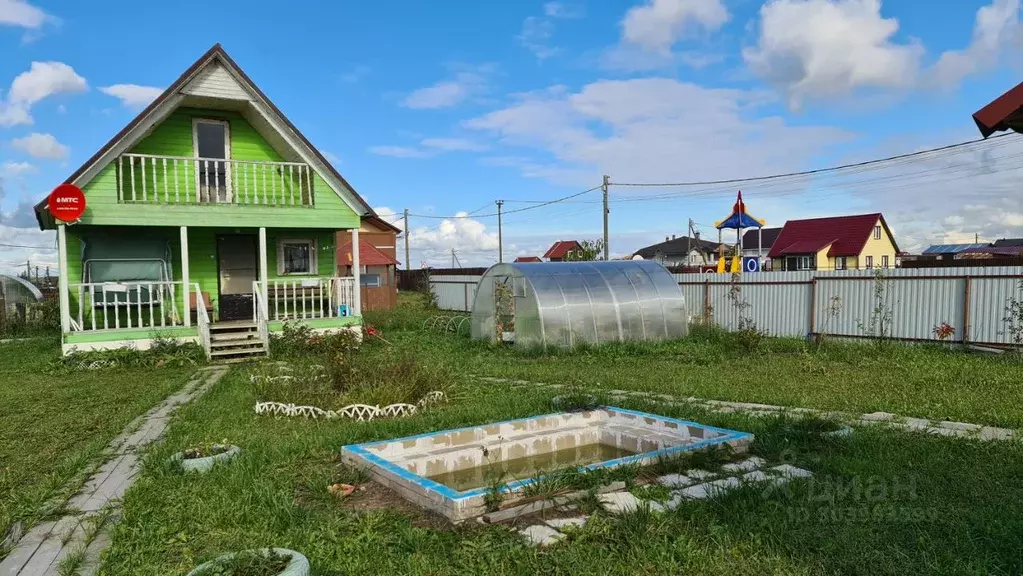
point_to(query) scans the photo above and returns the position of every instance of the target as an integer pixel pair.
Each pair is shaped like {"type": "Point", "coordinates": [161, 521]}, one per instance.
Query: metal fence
{"type": "Point", "coordinates": [911, 302]}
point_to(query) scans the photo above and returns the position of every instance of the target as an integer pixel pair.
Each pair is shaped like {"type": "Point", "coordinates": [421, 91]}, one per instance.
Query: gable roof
{"type": "Point", "coordinates": [381, 223]}
{"type": "Point", "coordinates": [679, 246]}
{"type": "Point", "coordinates": [528, 259]}
{"type": "Point", "coordinates": [950, 248]}
{"type": "Point", "coordinates": [1008, 242]}
{"type": "Point", "coordinates": [845, 234]}
{"type": "Point", "coordinates": [751, 237]}
{"type": "Point", "coordinates": [150, 114]}
{"type": "Point", "coordinates": [369, 255]}
{"type": "Point", "coordinates": [1003, 113]}
{"type": "Point", "coordinates": [561, 248]}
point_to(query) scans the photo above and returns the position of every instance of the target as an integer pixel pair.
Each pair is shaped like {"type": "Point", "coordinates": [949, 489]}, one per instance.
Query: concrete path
{"type": "Point", "coordinates": [78, 538]}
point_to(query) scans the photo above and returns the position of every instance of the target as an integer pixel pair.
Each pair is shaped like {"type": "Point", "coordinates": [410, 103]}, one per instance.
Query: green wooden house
{"type": "Point", "coordinates": [209, 218]}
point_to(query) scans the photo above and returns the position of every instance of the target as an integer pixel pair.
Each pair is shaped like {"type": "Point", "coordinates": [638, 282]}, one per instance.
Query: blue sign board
{"type": "Point", "coordinates": [750, 264]}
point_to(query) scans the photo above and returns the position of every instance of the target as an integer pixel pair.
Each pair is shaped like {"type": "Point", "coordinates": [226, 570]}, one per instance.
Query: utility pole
{"type": "Point", "coordinates": [408, 262]}
{"type": "Point", "coordinates": [607, 182]}
{"type": "Point", "coordinates": [500, 238]}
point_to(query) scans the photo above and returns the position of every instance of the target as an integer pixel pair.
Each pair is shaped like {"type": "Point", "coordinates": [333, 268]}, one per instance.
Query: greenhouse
{"type": "Point", "coordinates": [563, 304]}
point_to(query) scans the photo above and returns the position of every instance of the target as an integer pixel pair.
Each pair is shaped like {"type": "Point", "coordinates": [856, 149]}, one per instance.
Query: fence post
{"type": "Point", "coordinates": [966, 311]}
{"type": "Point", "coordinates": [813, 305]}
{"type": "Point", "coordinates": [706, 302]}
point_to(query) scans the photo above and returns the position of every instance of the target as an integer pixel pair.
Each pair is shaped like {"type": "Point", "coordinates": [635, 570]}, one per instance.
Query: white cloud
{"type": "Point", "coordinates": [132, 95]}
{"type": "Point", "coordinates": [469, 238]}
{"type": "Point", "coordinates": [538, 31]}
{"type": "Point", "coordinates": [21, 13]}
{"type": "Point", "coordinates": [429, 147]}
{"type": "Point", "coordinates": [15, 169]}
{"type": "Point", "coordinates": [391, 216]}
{"type": "Point", "coordinates": [355, 75]}
{"type": "Point", "coordinates": [39, 145]}
{"type": "Point", "coordinates": [453, 144]}
{"type": "Point", "coordinates": [462, 86]}
{"type": "Point", "coordinates": [820, 48]}
{"type": "Point", "coordinates": [996, 27]}
{"type": "Point", "coordinates": [658, 24]}
{"type": "Point", "coordinates": [653, 129]}
{"type": "Point", "coordinates": [399, 151]}
{"type": "Point", "coordinates": [44, 79]}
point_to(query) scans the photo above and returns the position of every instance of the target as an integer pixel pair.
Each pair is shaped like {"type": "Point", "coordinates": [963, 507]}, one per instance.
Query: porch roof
{"type": "Point", "coordinates": [369, 255]}
{"type": "Point", "coordinates": [1003, 113]}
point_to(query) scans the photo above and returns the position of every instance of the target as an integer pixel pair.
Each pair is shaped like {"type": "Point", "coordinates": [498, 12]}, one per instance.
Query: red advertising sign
{"type": "Point", "coordinates": [66, 203]}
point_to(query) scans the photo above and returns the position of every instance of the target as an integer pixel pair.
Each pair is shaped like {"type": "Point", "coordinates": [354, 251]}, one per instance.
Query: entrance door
{"type": "Point", "coordinates": [236, 266]}
{"type": "Point", "coordinates": [212, 142]}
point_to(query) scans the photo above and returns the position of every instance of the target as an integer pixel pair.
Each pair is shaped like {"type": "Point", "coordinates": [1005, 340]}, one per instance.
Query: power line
{"type": "Point", "coordinates": [813, 171]}
{"type": "Point", "coordinates": [534, 207]}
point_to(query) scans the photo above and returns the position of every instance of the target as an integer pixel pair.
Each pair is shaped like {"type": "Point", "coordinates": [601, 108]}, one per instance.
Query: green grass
{"type": "Point", "coordinates": [53, 425]}
{"type": "Point", "coordinates": [882, 501]}
{"type": "Point", "coordinates": [923, 504]}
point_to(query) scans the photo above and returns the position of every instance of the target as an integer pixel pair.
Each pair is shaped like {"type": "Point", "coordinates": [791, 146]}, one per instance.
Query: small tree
{"type": "Point", "coordinates": [588, 251]}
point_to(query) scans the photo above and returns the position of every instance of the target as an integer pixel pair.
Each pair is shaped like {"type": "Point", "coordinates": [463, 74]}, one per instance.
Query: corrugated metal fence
{"type": "Point", "coordinates": [839, 303]}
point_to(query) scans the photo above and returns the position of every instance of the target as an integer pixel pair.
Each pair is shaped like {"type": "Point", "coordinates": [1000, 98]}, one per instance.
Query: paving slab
{"type": "Point", "coordinates": [562, 523]}
{"type": "Point", "coordinates": [746, 465]}
{"type": "Point", "coordinates": [620, 502]}
{"type": "Point", "coordinates": [991, 433]}
{"type": "Point", "coordinates": [675, 480]}
{"type": "Point", "coordinates": [790, 471]}
{"type": "Point", "coordinates": [878, 417]}
{"type": "Point", "coordinates": [25, 549]}
{"type": "Point", "coordinates": [755, 476]}
{"type": "Point", "coordinates": [964, 426]}
{"type": "Point", "coordinates": [541, 535]}
{"type": "Point", "coordinates": [698, 474]}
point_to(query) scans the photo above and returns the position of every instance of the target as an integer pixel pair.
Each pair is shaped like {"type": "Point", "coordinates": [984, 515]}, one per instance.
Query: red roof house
{"type": "Point", "coordinates": [1003, 113]}
{"type": "Point", "coordinates": [559, 251]}
{"type": "Point", "coordinates": [835, 243]}
{"type": "Point", "coordinates": [528, 259]}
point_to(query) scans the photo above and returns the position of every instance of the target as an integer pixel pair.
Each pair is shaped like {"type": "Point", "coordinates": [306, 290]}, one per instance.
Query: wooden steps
{"type": "Point", "coordinates": [236, 341]}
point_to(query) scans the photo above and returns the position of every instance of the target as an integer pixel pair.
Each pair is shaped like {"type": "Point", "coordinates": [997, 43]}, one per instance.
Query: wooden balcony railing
{"type": "Point", "coordinates": [155, 179]}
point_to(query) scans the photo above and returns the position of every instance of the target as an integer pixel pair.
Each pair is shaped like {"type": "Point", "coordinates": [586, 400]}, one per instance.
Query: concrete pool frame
{"type": "Point", "coordinates": [403, 464]}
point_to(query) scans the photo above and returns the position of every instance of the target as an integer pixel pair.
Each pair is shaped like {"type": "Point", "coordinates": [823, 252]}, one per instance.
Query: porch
{"type": "Point", "coordinates": [219, 287]}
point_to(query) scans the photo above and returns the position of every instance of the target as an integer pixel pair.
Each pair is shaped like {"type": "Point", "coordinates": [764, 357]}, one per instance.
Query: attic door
{"type": "Point", "coordinates": [212, 142]}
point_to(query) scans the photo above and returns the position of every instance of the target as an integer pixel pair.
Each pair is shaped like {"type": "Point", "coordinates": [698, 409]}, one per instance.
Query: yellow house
{"type": "Point", "coordinates": [835, 243]}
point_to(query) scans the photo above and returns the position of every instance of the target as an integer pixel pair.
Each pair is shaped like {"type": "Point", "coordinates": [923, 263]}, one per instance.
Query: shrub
{"type": "Point", "coordinates": [163, 351]}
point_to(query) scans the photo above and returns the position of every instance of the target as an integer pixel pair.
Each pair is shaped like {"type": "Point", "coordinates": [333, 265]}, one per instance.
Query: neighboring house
{"type": "Point", "coordinates": [209, 218]}
{"type": "Point", "coordinates": [835, 243]}
{"type": "Point", "coordinates": [378, 242]}
{"type": "Point", "coordinates": [751, 243]}
{"type": "Point", "coordinates": [560, 250]}
{"type": "Point", "coordinates": [528, 259]}
{"type": "Point", "coordinates": [681, 251]}
{"type": "Point", "coordinates": [947, 251]}
{"type": "Point", "coordinates": [1007, 249]}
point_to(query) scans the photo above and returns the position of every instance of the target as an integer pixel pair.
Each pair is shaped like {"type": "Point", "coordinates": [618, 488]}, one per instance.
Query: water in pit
{"type": "Point", "coordinates": [522, 468]}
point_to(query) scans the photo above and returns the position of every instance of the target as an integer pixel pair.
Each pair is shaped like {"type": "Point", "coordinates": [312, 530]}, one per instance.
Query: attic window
{"type": "Point", "coordinates": [877, 232]}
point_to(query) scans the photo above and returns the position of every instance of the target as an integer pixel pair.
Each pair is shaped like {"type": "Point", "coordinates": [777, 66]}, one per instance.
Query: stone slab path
{"type": "Point", "coordinates": [941, 428]}
{"type": "Point", "coordinates": [684, 486]}
{"type": "Point", "coordinates": [82, 534]}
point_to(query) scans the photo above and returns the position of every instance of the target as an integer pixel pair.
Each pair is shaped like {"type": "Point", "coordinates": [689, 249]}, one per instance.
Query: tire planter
{"type": "Point", "coordinates": [299, 565]}
{"type": "Point", "coordinates": [204, 465]}
{"type": "Point", "coordinates": [586, 402]}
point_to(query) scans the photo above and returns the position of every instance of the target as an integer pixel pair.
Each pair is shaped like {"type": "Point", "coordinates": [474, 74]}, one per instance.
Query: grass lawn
{"type": "Point", "coordinates": [52, 426]}
{"type": "Point", "coordinates": [881, 502]}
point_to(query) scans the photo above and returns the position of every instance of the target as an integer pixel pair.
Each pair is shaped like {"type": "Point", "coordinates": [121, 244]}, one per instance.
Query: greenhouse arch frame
{"type": "Point", "coordinates": [565, 304]}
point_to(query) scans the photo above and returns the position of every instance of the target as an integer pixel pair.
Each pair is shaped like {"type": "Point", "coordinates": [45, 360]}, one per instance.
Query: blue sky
{"type": "Point", "coordinates": [444, 107]}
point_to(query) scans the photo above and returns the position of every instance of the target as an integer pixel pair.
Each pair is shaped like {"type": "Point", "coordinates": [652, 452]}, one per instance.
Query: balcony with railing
{"type": "Point", "coordinates": [156, 179]}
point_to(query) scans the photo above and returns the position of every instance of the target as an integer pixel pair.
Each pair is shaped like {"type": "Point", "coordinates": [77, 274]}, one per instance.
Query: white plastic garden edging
{"type": "Point", "coordinates": [299, 565]}
{"type": "Point", "coordinates": [359, 412]}
{"type": "Point", "coordinates": [205, 464]}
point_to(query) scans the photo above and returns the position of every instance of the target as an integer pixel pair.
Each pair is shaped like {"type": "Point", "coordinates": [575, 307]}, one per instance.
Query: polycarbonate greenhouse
{"type": "Point", "coordinates": [563, 304]}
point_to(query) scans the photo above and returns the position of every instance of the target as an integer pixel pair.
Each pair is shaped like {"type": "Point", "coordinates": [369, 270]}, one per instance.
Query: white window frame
{"type": "Point", "coordinates": [228, 189]}
{"type": "Point", "coordinates": [877, 232]}
{"type": "Point", "coordinates": [884, 261]}
{"type": "Point", "coordinates": [804, 263]}
{"type": "Point", "coordinates": [868, 262]}
{"type": "Point", "coordinates": [313, 260]}
{"type": "Point", "coordinates": [841, 263]}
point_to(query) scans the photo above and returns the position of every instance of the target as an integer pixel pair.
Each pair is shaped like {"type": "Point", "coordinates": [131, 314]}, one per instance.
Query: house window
{"type": "Point", "coordinates": [870, 262]}
{"type": "Point", "coordinates": [369, 280]}
{"type": "Point", "coordinates": [805, 263]}
{"type": "Point", "coordinates": [884, 261]}
{"type": "Point", "coordinates": [296, 257]}
{"type": "Point", "coordinates": [877, 232]}
{"type": "Point", "coordinates": [840, 263]}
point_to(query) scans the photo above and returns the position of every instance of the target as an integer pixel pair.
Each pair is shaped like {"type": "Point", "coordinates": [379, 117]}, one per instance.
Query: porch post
{"type": "Point", "coordinates": [185, 278]}
{"type": "Point", "coordinates": [264, 280]}
{"type": "Point", "coordinates": [62, 280]}
{"type": "Point", "coordinates": [356, 272]}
